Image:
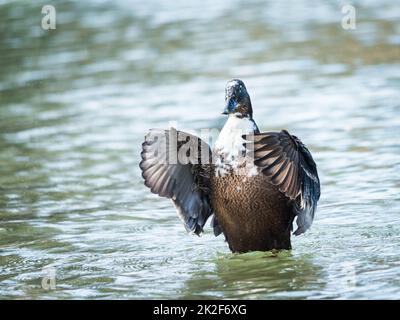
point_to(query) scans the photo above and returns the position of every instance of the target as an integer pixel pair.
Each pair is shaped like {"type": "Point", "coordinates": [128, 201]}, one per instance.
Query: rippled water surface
{"type": "Point", "coordinates": [75, 103]}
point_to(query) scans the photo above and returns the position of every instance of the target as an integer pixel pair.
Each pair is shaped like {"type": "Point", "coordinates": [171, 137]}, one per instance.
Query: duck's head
{"type": "Point", "coordinates": [237, 100]}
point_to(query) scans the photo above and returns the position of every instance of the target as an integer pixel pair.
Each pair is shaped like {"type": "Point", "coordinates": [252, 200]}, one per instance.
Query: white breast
{"type": "Point", "coordinates": [229, 145]}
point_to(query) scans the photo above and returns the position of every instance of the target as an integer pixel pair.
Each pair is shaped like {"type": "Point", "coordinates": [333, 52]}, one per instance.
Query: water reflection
{"type": "Point", "coordinates": [256, 275]}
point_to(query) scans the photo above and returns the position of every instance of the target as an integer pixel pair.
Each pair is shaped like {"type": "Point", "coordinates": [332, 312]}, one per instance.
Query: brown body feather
{"type": "Point", "coordinates": [253, 213]}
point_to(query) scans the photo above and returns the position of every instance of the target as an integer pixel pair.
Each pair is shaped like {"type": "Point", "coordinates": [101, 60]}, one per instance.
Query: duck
{"type": "Point", "coordinates": [252, 185]}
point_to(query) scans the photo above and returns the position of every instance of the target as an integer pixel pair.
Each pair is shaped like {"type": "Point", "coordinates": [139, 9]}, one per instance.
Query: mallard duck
{"type": "Point", "coordinates": [253, 184]}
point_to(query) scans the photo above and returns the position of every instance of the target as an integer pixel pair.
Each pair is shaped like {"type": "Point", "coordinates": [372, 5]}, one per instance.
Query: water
{"type": "Point", "coordinates": [75, 103]}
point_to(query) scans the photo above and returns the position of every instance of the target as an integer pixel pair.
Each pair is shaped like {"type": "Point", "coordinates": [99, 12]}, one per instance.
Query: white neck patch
{"type": "Point", "coordinates": [229, 145]}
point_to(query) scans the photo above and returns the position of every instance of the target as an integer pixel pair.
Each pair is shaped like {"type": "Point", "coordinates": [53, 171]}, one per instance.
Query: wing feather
{"type": "Point", "coordinates": [289, 164]}
{"type": "Point", "coordinates": [184, 183]}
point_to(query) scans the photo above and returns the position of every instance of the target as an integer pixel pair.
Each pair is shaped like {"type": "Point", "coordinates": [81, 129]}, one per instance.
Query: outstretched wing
{"type": "Point", "coordinates": [290, 166]}
{"type": "Point", "coordinates": [177, 165]}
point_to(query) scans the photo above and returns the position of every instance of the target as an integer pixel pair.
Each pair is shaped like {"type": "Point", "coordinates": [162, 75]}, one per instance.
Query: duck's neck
{"type": "Point", "coordinates": [230, 141]}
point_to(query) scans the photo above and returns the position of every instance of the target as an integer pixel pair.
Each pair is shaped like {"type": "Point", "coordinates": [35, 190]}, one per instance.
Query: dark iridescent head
{"type": "Point", "coordinates": [237, 100]}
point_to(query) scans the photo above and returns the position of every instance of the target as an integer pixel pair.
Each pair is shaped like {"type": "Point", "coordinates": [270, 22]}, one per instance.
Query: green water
{"type": "Point", "coordinates": [75, 103]}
